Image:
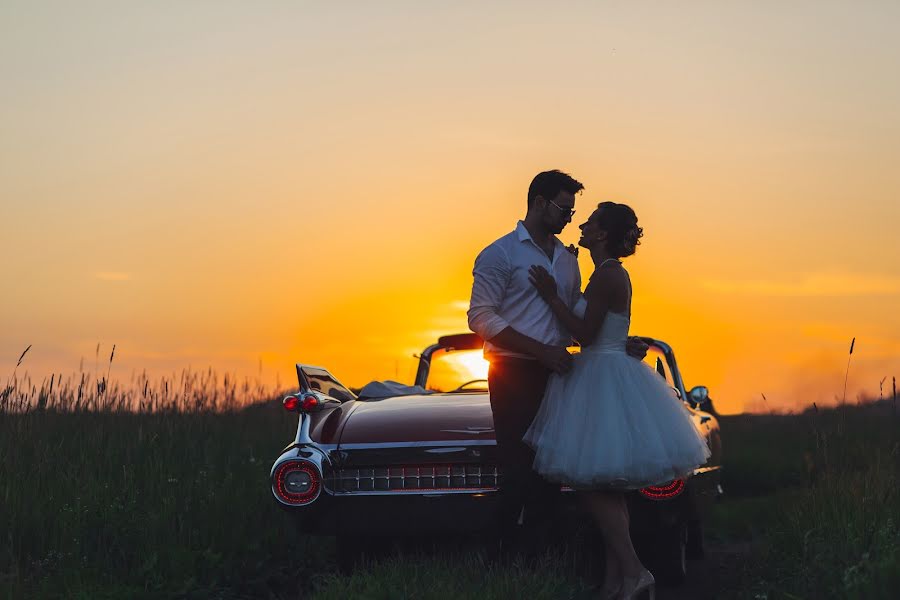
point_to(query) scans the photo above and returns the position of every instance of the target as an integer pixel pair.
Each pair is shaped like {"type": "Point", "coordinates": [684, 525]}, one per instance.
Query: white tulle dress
{"type": "Point", "coordinates": [613, 421]}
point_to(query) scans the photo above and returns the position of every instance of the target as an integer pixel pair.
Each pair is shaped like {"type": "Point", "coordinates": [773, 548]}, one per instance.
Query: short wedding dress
{"type": "Point", "coordinates": [612, 421]}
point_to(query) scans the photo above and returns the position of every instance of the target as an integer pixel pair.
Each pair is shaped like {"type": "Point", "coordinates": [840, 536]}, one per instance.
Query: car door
{"type": "Point", "coordinates": [656, 358]}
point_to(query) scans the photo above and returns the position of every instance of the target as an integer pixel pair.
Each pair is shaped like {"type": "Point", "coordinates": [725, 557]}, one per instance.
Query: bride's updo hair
{"type": "Point", "coordinates": [620, 224]}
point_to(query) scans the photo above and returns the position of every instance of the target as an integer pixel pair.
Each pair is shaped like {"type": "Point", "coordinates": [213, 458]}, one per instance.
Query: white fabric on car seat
{"type": "Point", "coordinates": [385, 389]}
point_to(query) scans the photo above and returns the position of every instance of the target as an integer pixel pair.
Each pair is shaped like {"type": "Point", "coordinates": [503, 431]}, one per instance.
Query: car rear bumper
{"type": "Point", "coordinates": [399, 515]}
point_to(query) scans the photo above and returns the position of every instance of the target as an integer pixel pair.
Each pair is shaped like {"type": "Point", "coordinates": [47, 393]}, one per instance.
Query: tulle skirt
{"type": "Point", "coordinates": [613, 422]}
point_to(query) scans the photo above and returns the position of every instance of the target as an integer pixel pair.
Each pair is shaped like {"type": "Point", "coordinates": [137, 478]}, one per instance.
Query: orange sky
{"type": "Point", "coordinates": [225, 184]}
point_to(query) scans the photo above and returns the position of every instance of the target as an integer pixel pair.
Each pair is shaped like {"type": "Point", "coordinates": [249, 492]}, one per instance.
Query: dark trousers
{"type": "Point", "coordinates": [516, 389]}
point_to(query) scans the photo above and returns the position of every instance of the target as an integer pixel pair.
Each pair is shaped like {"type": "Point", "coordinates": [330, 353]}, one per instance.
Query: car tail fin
{"type": "Point", "coordinates": [317, 379]}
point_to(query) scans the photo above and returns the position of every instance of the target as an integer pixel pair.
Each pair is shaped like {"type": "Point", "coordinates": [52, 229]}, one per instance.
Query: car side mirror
{"type": "Point", "coordinates": [699, 395]}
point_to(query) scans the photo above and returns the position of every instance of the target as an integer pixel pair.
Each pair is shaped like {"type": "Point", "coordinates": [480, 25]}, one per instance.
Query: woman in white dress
{"type": "Point", "coordinates": [612, 423]}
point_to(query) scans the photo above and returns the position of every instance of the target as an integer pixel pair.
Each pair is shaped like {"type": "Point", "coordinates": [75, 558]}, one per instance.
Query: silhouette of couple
{"type": "Point", "coordinates": [600, 421]}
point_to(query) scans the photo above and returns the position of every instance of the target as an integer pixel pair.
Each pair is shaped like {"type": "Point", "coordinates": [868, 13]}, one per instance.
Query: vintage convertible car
{"type": "Point", "coordinates": [414, 464]}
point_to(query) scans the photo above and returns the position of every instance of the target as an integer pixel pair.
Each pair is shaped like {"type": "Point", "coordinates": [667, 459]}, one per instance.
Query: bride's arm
{"type": "Point", "coordinates": [583, 329]}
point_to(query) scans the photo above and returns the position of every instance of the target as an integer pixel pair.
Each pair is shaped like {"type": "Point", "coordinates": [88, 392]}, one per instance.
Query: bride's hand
{"type": "Point", "coordinates": [636, 347]}
{"type": "Point", "coordinates": [543, 282]}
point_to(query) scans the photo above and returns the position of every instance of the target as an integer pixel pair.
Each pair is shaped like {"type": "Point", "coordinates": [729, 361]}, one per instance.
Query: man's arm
{"type": "Point", "coordinates": [491, 276]}
{"type": "Point", "coordinates": [555, 358]}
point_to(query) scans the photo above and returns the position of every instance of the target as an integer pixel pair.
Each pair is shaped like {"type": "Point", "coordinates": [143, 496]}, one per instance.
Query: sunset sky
{"type": "Point", "coordinates": [249, 185]}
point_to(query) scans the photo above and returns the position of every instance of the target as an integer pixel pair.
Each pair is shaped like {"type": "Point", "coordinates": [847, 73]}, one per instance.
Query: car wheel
{"type": "Point", "coordinates": [671, 555]}
{"type": "Point", "coordinates": [695, 539]}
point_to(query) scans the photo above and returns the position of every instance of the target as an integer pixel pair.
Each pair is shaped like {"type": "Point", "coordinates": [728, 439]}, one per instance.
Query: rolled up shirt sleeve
{"type": "Point", "coordinates": [490, 279]}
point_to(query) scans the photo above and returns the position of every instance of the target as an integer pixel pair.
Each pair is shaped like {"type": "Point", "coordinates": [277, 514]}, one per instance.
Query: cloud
{"type": "Point", "coordinates": [112, 276]}
{"type": "Point", "coordinates": [813, 284]}
{"type": "Point", "coordinates": [458, 305]}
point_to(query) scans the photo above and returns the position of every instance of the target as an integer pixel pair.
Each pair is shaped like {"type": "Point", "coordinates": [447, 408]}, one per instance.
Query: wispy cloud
{"type": "Point", "coordinates": [458, 305]}
{"type": "Point", "coordinates": [813, 284]}
{"type": "Point", "coordinates": [112, 276]}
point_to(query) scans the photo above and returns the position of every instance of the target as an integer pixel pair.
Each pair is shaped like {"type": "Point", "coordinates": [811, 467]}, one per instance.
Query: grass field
{"type": "Point", "coordinates": [100, 502]}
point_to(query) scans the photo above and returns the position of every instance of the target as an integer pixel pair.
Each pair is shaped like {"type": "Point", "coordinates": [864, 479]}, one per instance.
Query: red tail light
{"type": "Point", "coordinates": [662, 492]}
{"type": "Point", "coordinates": [303, 403]}
{"type": "Point", "coordinates": [297, 482]}
{"type": "Point", "coordinates": [308, 403]}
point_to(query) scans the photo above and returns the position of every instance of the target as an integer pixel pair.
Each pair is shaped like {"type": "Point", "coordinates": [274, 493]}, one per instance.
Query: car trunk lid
{"type": "Point", "coordinates": [420, 418]}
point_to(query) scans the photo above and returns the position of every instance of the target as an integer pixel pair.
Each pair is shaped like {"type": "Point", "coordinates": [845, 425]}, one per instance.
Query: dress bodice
{"type": "Point", "coordinates": [613, 333]}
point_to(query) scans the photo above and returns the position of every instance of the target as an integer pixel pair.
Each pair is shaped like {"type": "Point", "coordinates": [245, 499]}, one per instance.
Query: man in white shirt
{"type": "Point", "coordinates": [524, 341]}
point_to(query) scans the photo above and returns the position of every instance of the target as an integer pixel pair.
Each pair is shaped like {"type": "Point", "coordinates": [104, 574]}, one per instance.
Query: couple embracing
{"type": "Point", "coordinates": [601, 421]}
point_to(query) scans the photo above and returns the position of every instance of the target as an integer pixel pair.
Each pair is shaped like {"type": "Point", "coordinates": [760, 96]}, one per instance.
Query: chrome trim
{"type": "Point", "coordinates": [326, 402]}
{"type": "Point", "coordinates": [470, 430]}
{"type": "Point", "coordinates": [446, 450]}
{"type": "Point", "coordinates": [429, 493]}
{"type": "Point", "coordinates": [671, 363]}
{"type": "Point", "coordinates": [317, 467]}
{"type": "Point", "coordinates": [416, 479]}
{"type": "Point", "coordinates": [325, 448]}
{"type": "Point", "coordinates": [470, 341]}
{"type": "Point", "coordinates": [303, 430]}
{"type": "Point", "coordinates": [425, 444]}
{"type": "Point", "coordinates": [425, 364]}
{"type": "Point", "coordinates": [310, 454]}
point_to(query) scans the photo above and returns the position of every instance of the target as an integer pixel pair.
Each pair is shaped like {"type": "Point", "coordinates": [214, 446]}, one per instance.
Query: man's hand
{"type": "Point", "coordinates": [636, 347]}
{"type": "Point", "coordinates": [555, 358]}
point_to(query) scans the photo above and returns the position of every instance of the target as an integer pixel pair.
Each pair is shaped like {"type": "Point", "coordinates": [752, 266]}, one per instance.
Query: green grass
{"type": "Point", "coordinates": [106, 503]}
{"type": "Point", "coordinates": [459, 577]}
{"type": "Point", "coordinates": [122, 505]}
{"type": "Point", "coordinates": [830, 527]}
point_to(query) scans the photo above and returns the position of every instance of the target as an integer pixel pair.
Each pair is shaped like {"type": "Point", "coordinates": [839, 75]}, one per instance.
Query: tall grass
{"type": "Point", "coordinates": [819, 495]}
{"type": "Point", "coordinates": [145, 489]}
{"type": "Point", "coordinates": [184, 391]}
{"type": "Point", "coordinates": [463, 577]}
{"type": "Point", "coordinates": [159, 488]}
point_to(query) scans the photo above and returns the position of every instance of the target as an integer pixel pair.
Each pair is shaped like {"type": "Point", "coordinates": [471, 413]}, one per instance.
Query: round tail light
{"type": "Point", "coordinates": [297, 482]}
{"type": "Point", "coordinates": [309, 402]}
{"type": "Point", "coordinates": [291, 403]}
{"type": "Point", "coordinates": [662, 492]}
{"type": "Point", "coordinates": [301, 403]}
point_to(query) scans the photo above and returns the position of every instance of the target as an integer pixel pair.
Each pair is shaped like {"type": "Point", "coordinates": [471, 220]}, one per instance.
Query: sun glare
{"type": "Point", "coordinates": [474, 363]}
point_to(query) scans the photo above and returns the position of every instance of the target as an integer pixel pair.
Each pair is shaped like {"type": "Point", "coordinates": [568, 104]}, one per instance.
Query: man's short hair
{"type": "Point", "coordinates": [550, 183]}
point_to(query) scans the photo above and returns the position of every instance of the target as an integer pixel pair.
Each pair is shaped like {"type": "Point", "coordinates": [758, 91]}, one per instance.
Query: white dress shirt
{"type": "Point", "coordinates": [503, 296]}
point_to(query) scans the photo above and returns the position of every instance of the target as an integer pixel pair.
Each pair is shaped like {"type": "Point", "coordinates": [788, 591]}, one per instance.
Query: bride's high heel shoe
{"type": "Point", "coordinates": [634, 588]}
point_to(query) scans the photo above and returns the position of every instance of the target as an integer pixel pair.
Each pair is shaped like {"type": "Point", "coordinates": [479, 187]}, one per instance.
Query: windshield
{"type": "Point", "coordinates": [458, 370]}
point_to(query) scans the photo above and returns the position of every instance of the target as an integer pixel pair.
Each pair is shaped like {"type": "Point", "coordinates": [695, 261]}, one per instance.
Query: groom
{"type": "Point", "coordinates": [524, 341]}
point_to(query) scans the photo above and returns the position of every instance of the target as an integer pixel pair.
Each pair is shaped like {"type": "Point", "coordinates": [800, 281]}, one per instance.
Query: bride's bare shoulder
{"type": "Point", "coordinates": [607, 279]}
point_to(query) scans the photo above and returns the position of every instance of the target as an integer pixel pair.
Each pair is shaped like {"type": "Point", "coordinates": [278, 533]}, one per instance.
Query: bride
{"type": "Point", "coordinates": [611, 424]}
